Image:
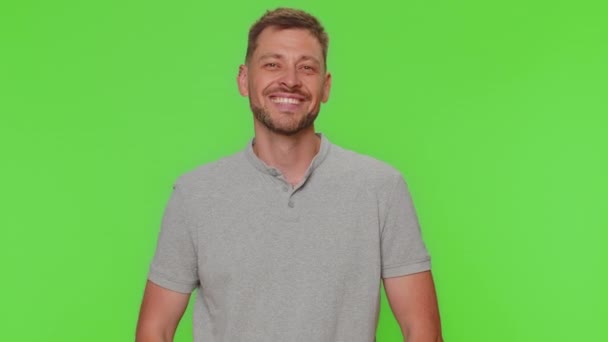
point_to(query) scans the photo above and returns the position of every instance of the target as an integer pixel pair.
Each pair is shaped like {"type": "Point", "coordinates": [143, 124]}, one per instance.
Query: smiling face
{"type": "Point", "coordinates": [285, 80]}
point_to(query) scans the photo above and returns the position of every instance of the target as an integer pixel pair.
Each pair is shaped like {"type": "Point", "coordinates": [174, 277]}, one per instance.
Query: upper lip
{"type": "Point", "coordinates": [289, 95]}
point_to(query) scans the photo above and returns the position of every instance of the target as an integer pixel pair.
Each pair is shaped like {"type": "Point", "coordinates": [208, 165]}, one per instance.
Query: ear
{"type": "Point", "coordinates": [241, 80]}
{"type": "Point", "coordinates": [326, 88]}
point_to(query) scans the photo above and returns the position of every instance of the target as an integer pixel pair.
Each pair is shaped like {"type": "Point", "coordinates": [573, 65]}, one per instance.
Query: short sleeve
{"type": "Point", "coordinates": [174, 265]}
{"type": "Point", "coordinates": [402, 250]}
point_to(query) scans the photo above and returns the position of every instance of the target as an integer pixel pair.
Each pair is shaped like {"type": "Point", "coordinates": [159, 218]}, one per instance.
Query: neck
{"type": "Point", "coordinates": [291, 155]}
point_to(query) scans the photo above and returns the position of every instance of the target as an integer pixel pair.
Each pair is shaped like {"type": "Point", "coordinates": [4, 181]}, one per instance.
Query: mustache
{"type": "Point", "coordinates": [288, 91]}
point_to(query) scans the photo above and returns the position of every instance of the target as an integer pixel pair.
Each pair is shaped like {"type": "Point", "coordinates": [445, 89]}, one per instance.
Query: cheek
{"type": "Point", "coordinates": [318, 90]}
{"type": "Point", "coordinates": [255, 92]}
{"type": "Point", "coordinates": [262, 80]}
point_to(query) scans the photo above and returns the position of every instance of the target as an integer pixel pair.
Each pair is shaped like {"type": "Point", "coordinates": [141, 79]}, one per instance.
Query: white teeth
{"type": "Point", "coordinates": [285, 100]}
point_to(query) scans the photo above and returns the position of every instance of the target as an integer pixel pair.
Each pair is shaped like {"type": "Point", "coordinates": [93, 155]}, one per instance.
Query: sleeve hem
{"type": "Point", "coordinates": [406, 269]}
{"type": "Point", "coordinates": [162, 281]}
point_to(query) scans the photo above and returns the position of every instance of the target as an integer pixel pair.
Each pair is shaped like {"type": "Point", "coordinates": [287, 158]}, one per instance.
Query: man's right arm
{"type": "Point", "coordinates": [160, 313]}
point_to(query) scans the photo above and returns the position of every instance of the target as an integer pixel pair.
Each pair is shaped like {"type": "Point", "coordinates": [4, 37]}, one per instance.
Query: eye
{"type": "Point", "coordinates": [308, 68]}
{"type": "Point", "coordinates": [271, 65]}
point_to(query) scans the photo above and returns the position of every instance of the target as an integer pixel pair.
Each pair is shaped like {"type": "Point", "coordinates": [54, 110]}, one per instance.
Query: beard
{"type": "Point", "coordinates": [289, 126]}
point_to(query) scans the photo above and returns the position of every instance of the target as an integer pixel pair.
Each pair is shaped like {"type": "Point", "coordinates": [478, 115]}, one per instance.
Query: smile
{"type": "Point", "coordinates": [285, 100]}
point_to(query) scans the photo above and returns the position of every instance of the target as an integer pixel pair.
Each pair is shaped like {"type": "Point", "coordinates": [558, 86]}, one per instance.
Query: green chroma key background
{"type": "Point", "coordinates": [495, 112]}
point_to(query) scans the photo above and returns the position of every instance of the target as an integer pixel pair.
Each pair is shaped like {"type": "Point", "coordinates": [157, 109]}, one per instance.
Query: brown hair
{"type": "Point", "coordinates": [286, 18]}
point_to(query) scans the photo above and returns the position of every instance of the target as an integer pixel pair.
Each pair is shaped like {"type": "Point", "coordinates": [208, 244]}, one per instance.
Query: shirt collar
{"type": "Point", "coordinates": [265, 168]}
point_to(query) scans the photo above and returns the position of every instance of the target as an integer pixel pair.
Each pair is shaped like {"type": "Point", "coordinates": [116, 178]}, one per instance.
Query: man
{"type": "Point", "coordinates": [289, 240]}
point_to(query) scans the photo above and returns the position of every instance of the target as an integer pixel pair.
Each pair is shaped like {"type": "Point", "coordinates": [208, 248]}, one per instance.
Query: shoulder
{"type": "Point", "coordinates": [361, 168]}
{"type": "Point", "coordinates": [213, 175]}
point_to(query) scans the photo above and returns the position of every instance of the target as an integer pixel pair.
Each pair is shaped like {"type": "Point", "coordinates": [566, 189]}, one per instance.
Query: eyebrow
{"type": "Point", "coordinates": [279, 56]}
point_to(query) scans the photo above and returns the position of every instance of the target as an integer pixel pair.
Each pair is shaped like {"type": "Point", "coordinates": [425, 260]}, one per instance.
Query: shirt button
{"type": "Point", "coordinates": [290, 204]}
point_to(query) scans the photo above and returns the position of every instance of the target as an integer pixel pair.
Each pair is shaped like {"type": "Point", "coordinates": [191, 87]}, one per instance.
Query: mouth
{"type": "Point", "coordinates": [288, 100]}
{"type": "Point", "coordinates": [287, 97]}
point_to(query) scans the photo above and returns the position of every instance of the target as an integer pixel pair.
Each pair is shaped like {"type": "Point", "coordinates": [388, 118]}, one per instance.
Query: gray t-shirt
{"type": "Point", "coordinates": [273, 262]}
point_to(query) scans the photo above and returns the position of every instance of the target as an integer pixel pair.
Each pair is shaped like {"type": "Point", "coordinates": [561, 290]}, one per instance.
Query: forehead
{"type": "Point", "coordinates": [287, 41]}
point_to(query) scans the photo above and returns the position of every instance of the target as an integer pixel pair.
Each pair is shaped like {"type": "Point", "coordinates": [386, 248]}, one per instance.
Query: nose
{"type": "Point", "coordinates": [290, 78]}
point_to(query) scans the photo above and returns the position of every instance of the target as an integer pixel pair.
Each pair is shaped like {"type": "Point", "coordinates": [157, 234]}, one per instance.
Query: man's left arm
{"type": "Point", "coordinates": [413, 300]}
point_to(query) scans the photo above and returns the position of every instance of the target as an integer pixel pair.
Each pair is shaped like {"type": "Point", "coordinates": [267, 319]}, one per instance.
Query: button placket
{"type": "Point", "coordinates": [285, 189]}
{"type": "Point", "coordinates": [290, 202]}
